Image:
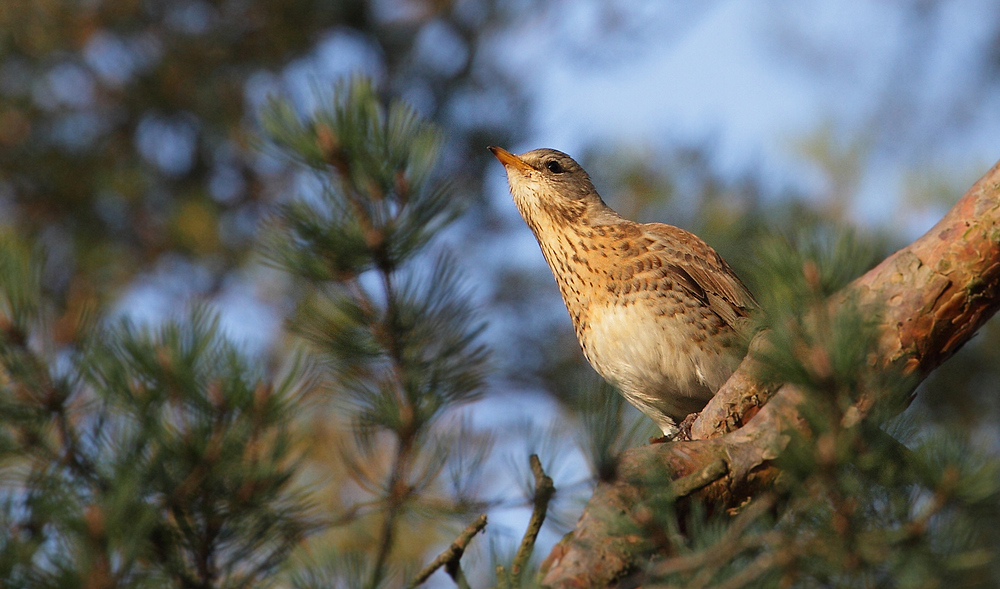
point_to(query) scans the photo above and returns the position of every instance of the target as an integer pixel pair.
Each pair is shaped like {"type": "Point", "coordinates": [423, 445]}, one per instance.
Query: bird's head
{"type": "Point", "coordinates": [548, 181]}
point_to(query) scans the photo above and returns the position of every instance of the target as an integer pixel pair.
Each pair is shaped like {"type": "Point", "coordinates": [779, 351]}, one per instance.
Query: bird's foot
{"type": "Point", "coordinates": [684, 428]}
{"type": "Point", "coordinates": [677, 433]}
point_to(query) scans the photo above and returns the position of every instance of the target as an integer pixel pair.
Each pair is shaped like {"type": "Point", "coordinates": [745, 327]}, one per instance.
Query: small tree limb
{"type": "Point", "coordinates": [544, 489]}
{"type": "Point", "coordinates": [451, 556]}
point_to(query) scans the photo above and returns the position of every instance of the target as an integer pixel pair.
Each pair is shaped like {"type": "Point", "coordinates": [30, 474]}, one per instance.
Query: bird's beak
{"type": "Point", "coordinates": [508, 159]}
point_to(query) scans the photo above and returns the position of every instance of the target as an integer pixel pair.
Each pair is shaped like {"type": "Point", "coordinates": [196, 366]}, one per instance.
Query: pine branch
{"type": "Point", "coordinates": [931, 298]}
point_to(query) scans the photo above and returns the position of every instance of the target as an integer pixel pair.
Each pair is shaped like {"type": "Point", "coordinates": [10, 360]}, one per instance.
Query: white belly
{"type": "Point", "coordinates": [654, 361]}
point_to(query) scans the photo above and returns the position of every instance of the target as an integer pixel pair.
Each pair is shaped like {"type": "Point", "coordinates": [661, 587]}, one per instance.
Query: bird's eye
{"type": "Point", "coordinates": [554, 167]}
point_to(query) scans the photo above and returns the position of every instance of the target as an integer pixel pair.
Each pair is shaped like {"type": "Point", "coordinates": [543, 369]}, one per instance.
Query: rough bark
{"type": "Point", "coordinates": [932, 296]}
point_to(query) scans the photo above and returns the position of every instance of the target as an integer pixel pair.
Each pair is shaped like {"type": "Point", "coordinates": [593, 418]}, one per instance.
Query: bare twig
{"type": "Point", "coordinates": [451, 556]}
{"type": "Point", "coordinates": [503, 581]}
{"type": "Point", "coordinates": [544, 489]}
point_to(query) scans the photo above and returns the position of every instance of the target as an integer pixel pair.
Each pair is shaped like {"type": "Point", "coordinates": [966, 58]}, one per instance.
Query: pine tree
{"type": "Point", "coordinates": [135, 457]}
{"type": "Point", "coordinates": [390, 320]}
{"type": "Point", "coordinates": [165, 457]}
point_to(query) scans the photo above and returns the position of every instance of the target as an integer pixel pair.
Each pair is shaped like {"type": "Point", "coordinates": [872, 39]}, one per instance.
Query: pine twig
{"type": "Point", "coordinates": [502, 581]}
{"type": "Point", "coordinates": [451, 556]}
{"type": "Point", "coordinates": [544, 489]}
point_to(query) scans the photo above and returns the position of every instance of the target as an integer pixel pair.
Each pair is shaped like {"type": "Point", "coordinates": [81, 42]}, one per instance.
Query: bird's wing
{"type": "Point", "coordinates": [700, 271]}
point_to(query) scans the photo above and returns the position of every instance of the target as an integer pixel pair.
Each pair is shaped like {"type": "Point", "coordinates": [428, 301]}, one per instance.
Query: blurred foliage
{"type": "Point", "coordinates": [130, 139]}
{"type": "Point", "coordinates": [133, 457]}
{"type": "Point", "coordinates": [127, 129]}
{"type": "Point", "coordinates": [138, 458]}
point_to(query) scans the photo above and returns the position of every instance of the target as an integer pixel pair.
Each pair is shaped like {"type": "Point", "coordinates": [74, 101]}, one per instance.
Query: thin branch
{"type": "Point", "coordinates": [452, 555]}
{"type": "Point", "coordinates": [731, 542]}
{"type": "Point", "coordinates": [544, 489]}
{"type": "Point", "coordinates": [398, 493]}
{"type": "Point", "coordinates": [712, 472]}
{"type": "Point", "coordinates": [761, 565]}
{"type": "Point", "coordinates": [398, 484]}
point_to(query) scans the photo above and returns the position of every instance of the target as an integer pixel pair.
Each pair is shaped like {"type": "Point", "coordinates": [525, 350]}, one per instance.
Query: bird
{"type": "Point", "coordinates": [658, 313]}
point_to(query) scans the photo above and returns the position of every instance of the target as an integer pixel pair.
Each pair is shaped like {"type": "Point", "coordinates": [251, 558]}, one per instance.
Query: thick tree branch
{"type": "Point", "coordinates": [932, 297]}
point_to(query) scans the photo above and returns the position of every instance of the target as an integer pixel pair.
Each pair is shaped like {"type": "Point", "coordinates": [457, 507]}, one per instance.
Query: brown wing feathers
{"type": "Point", "coordinates": [705, 275]}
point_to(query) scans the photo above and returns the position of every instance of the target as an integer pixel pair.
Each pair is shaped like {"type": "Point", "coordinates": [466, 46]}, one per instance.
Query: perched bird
{"type": "Point", "coordinates": [657, 311]}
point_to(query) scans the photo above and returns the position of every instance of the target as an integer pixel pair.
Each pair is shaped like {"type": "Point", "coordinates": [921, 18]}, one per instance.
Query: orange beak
{"type": "Point", "coordinates": [509, 159]}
